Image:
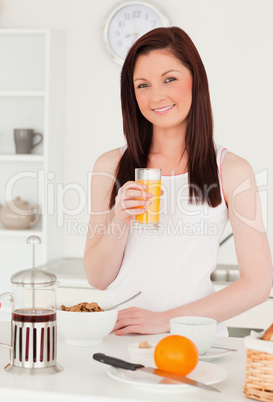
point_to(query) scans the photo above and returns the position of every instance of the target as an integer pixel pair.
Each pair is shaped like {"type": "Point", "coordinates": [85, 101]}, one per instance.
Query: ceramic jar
{"type": "Point", "coordinates": [19, 215]}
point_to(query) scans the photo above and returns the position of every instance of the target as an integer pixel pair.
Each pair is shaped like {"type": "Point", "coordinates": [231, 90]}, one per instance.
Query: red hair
{"type": "Point", "coordinates": [202, 165]}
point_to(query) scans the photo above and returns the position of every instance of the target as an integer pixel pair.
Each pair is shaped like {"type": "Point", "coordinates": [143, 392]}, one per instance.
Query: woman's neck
{"type": "Point", "coordinates": [168, 142]}
{"type": "Point", "coordinates": [168, 152]}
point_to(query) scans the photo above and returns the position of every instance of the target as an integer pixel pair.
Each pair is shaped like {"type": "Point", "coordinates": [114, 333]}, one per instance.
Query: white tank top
{"type": "Point", "coordinates": [172, 265]}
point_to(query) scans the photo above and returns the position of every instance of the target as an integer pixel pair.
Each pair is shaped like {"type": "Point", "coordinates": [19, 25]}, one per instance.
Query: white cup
{"type": "Point", "coordinates": [200, 330]}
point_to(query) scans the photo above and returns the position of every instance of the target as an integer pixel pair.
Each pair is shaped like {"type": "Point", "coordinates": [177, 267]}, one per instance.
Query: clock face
{"type": "Point", "coordinates": [127, 23]}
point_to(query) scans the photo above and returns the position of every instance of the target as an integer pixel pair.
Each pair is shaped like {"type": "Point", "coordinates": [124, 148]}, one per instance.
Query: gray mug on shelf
{"type": "Point", "coordinates": [24, 140]}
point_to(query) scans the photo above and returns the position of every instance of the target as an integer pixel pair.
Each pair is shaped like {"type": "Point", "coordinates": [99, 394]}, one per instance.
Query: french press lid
{"type": "Point", "coordinates": [33, 276]}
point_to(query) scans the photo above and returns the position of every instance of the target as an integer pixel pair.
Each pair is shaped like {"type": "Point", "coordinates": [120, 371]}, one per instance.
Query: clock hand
{"type": "Point", "coordinates": [132, 34]}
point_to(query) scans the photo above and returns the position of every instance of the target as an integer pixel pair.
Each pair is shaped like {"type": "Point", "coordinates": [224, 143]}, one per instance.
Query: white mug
{"type": "Point", "coordinates": [200, 330]}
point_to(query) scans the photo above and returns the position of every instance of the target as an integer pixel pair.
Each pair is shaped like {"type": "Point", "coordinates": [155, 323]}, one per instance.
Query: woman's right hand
{"type": "Point", "coordinates": [132, 199]}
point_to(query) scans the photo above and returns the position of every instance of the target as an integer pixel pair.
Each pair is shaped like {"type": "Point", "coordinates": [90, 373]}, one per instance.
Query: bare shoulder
{"type": "Point", "coordinates": [235, 167]}
{"type": "Point", "coordinates": [108, 161]}
{"type": "Point", "coordinates": [235, 170]}
{"type": "Point", "coordinates": [232, 161]}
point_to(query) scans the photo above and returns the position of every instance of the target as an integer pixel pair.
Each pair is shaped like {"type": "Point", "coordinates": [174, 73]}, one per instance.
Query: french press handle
{"type": "Point", "coordinates": [5, 345]}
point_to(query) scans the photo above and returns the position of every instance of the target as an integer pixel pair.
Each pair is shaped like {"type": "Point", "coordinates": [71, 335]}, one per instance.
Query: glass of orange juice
{"type": "Point", "coordinates": [152, 179]}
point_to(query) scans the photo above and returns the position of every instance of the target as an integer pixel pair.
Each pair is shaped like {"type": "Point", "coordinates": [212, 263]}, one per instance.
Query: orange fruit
{"type": "Point", "coordinates": [176, 354]}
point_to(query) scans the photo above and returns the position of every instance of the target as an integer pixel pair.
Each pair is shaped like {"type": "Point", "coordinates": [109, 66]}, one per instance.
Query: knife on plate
{"type": "Point", "coordinates": [113, 361]}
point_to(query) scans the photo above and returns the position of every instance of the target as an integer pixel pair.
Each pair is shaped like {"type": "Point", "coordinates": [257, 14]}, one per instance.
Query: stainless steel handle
{"type": "Point", "coordinates": [5, 345]}
{"type": "Point", "coordinates": [7, 294]}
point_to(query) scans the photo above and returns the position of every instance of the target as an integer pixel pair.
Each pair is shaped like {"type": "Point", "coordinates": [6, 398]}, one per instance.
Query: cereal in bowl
{"type": "Point", "coordinates": [83, 307]}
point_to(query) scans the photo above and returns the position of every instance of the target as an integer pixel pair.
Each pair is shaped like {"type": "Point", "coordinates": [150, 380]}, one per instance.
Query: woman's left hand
{"type": "Point", "coordinates": [140, 321]}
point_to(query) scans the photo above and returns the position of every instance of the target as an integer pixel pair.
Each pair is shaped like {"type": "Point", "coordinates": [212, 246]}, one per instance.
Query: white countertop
{"type": "Point", "coordinates": [83, 379]}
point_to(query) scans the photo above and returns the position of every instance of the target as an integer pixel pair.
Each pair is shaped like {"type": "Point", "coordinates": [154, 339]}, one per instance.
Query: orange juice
{"type": "Point", "coordinates": [152, 213]}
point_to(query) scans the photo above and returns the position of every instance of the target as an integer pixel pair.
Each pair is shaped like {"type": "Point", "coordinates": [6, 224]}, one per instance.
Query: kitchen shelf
{"type": "Point", "coordinates": [31, 96]}
{"type": "Point", "coordinates": [21, 233]}
{"type": "Point", "coordinates": [22, 158]}
{"type": "Point", "coordinates": [36, 230]}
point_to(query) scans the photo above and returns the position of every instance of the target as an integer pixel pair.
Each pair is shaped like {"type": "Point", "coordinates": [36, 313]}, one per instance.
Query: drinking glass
{"type": "Point", "coordinates": [152, 179]}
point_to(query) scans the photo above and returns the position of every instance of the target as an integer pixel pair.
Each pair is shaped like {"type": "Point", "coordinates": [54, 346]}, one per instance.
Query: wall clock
{"type": "Point", "coordinates": [127, 22]}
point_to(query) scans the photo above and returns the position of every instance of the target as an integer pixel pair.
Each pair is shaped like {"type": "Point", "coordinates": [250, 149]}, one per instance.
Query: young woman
{"type": "Point", "coordinates": [168, 124]}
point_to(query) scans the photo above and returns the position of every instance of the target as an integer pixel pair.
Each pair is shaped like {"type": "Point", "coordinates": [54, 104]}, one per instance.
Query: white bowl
{"type": "Point", "coordinates": [143, 356]}
{"type": "Point", "coordinates": [200, 330]}
{"type": "Point", "coordinates": [85, 328]}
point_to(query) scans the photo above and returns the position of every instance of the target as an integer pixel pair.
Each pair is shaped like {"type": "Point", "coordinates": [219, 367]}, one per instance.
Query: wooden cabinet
{"type": "Point", "coordinates": [31, 96]}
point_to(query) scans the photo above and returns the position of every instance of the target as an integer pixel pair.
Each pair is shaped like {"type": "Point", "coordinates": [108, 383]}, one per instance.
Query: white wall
{"type": "Point", "coordinates": [235, 40]}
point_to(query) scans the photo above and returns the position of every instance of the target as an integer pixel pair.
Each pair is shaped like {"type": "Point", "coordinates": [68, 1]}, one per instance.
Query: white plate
{"type": "Point", "coordinates": [214, 354]}
{"type": "Point", "coordinates": [208, 373]}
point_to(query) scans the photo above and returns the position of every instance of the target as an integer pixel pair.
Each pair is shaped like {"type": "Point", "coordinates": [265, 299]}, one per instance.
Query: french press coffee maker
{"type": "Point", "coordinates": [33, 322]}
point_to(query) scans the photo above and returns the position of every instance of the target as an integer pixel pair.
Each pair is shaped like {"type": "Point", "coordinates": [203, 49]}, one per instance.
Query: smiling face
{"type": "Point", "coordinates": [163, 89]}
